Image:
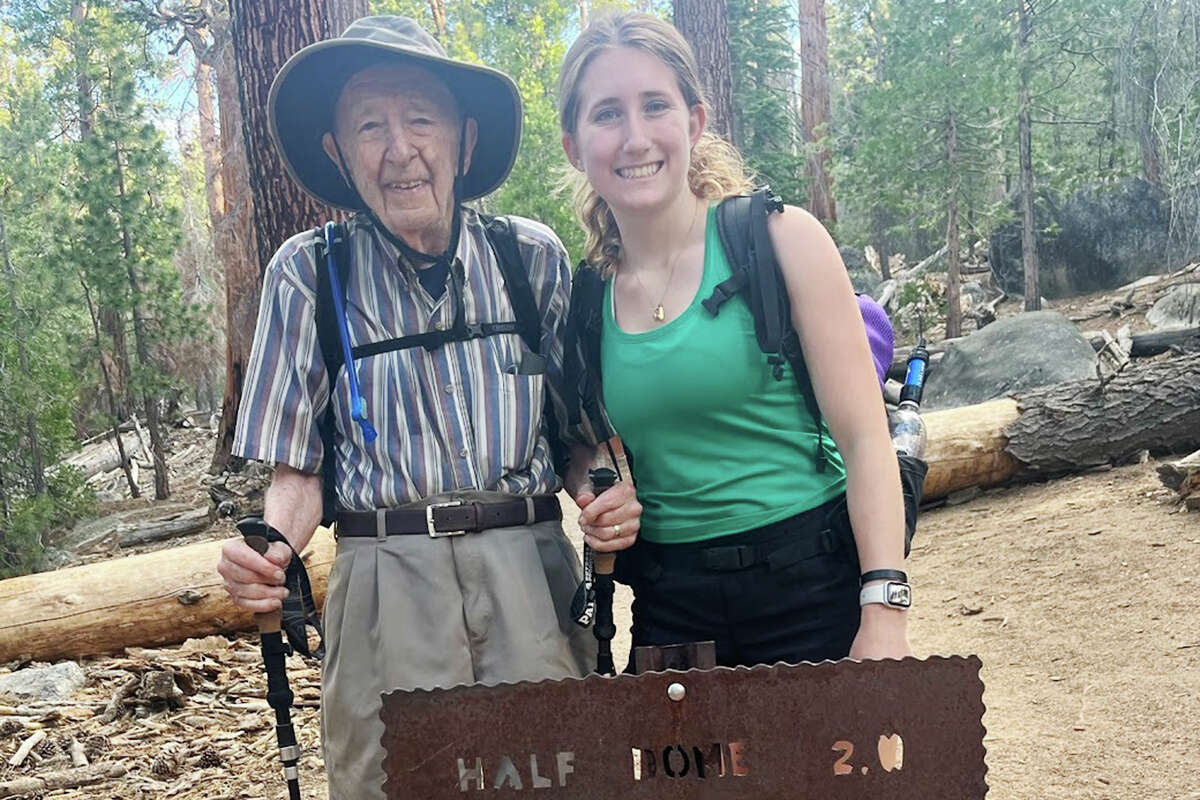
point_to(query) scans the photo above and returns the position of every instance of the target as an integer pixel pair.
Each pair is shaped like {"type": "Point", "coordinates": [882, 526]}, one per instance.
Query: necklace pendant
{"type": "Point", "coordinates": [659, 313]}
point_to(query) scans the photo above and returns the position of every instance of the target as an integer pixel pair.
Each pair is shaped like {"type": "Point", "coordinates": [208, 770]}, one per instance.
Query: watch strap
{"type": "Point", "coordinates": [884, 575]}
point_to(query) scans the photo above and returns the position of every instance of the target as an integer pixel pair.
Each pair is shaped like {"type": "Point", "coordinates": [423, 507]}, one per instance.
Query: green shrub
{"type": "Point", "coordinates": [67, 499]}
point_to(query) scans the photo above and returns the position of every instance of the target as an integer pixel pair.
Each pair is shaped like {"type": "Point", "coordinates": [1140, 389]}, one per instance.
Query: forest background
{"type": "Point", "coordinates": [140, 199]}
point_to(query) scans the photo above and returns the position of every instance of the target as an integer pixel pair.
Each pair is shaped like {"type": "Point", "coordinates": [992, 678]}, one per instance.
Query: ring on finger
{"type": "Point", "coordinates": [617, 530]}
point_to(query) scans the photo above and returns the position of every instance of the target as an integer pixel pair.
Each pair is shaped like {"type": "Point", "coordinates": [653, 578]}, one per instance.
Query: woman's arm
{"type": "Point", "coordinates": [838, 358]}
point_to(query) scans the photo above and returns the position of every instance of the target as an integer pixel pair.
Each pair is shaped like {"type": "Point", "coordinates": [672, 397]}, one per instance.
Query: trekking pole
{"type": "Point", "coordinates": [275, 652]}
{"type": "Point", "coordinates": [604, 628]}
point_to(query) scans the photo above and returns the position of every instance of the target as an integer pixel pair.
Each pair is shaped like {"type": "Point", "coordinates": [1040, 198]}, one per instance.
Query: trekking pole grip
{"type": "Point", "coordinates": [254, 533]}
{"type": "Point", "coordinates": [603, 478]}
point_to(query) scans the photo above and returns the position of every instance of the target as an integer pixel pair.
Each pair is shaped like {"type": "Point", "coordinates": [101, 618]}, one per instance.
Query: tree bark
{"type": "Point", "coordinates": [438, 9]}
{"type": "Point", "coordinates": [265, 34]}
{"type": "Point", "coordinates": [706, 27]}
{"type": "Point", "coordinates": [1079, 424]}
{"type": "Point", "coordinates": [263, 206]}
{"type": "Point", "coordinates": [37, 478]}
{"type": "Point", "coordinates": [156, 598]}
{"type": "Point", "coordinates": [1029, 254]}
{"type": "Point", "coordinates": [234, 240]}
{"type": "Point", "coordinates": [210, 140]}
{"type": "Point", "coordinates": [583, 14]}
{"type": "Point", "coordinates": [814, 107]}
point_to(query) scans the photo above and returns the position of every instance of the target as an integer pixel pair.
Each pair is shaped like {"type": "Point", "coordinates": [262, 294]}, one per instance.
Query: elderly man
{"type": "Point", "coordinates": [436, 422]}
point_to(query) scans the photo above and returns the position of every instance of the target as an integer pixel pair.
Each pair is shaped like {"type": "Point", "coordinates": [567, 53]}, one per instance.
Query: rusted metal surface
{"type": "Point", "coordinates": [692, 655]}
{"type": "Point", "coordinates": [905, 730]}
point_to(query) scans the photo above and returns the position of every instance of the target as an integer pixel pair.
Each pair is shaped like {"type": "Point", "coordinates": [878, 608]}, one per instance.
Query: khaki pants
{"type": "Point", "coordinates": [411, 612]}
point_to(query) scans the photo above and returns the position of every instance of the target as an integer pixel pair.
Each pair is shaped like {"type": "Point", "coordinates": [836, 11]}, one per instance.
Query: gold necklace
{"type": "Point", "coordinates": [659, 313]}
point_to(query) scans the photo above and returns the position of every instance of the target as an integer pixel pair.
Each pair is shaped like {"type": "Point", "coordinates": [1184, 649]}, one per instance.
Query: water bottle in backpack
{"type": "Point", "coordinates": [905, 423]}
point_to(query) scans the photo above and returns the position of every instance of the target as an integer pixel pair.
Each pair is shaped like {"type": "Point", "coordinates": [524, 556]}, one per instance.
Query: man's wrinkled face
{"type": "Point", "coordinates": [398, 128]}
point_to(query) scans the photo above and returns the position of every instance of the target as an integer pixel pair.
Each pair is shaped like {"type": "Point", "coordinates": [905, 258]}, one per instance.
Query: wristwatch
{"type": "Point", "coordinates": [893, 594]}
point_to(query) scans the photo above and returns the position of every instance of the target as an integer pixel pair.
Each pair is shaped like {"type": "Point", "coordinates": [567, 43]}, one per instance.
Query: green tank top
{"type": "Point", "coordinates": [719, 445]}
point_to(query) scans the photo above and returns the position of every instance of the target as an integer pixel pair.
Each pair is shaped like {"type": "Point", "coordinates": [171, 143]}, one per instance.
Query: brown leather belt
{"type": "Point", "coordinates": [451, 518]}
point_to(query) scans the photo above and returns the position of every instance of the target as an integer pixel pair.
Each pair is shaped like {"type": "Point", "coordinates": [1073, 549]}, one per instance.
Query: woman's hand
{"type": "Point", "coordinates": [611, 521]}
{"type": "Point", "coordinates": [882, 633]}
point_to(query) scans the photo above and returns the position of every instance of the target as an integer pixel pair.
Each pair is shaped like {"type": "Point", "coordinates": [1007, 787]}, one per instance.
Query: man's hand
{"type": "Point", "coordinates": [611, 521]}
{"type": "Point", "coordinates": [882, 633]}
{"type": "Point", "coordinates": [254, 582]}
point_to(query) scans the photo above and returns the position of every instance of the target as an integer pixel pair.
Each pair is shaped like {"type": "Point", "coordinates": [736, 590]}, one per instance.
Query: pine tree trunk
{"type": "Point", "coordinates": [1029, 254]}
{"type": "Point", "coordinates": [162, 488]}
{"type": "Point", "coordinates": [438, 9]}
{"type": "Point", "coordinates": [953, 307]}
{"type": "Point", "coordinates": [134, 491]}
{"type": "Point", "coordinates": [210, 141]}
{"type": "Point", "coordinates": [705, 26]}
{"type": "Point", "coordinates": [37, 476]}
{"type": "Point", "coordinates": [235, 243]}
{"type": "Point", "coordinates": [583, 14]}
{"type": "Point", "coordinates": [265, 34]}
{"type": "Point", "coordinates": [879, 239]}
{"type": "Point", "coordinates": [814, 107]}
{"type": "Point", "coordinates": [263, 206]}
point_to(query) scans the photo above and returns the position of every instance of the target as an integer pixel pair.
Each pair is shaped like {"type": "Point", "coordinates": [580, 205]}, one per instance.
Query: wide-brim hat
{"type": "Point", "coordinates": [304, 93]}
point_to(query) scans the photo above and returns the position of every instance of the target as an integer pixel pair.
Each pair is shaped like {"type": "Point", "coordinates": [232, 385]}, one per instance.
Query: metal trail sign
{"type": "Point", "coordinates": [905, 730]}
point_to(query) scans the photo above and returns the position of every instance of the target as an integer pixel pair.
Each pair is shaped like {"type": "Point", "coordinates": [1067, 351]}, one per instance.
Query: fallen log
{"type": "Point", "coordinates": [967, 447]}
{"type": "Point", "coordinates": [101, 456]}
{"type": "Point", "coordinates": [191, 521]}
{"type": "Point", "coordinates": [1184, 477]}
{"type": "Point", "coordinates": [145, 600]}
{"type": "Point", "coordinates": [1079, 424]}
{"type": "Point", "coordinates": [35, 785]}
{"type": "Point", "coordinates": [1152, 343]}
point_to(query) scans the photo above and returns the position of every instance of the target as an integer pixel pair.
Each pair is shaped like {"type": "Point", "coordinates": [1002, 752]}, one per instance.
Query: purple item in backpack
{"type": "Point", "coordinates": [880, 335]}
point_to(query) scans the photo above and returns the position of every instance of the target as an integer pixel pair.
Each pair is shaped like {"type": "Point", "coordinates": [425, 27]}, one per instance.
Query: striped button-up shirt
{"type": "Point", "coordinates": [462, 416]}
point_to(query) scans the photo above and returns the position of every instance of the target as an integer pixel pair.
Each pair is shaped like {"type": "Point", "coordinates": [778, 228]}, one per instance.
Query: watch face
{"type": "Point", "coordinates": [899, 594]}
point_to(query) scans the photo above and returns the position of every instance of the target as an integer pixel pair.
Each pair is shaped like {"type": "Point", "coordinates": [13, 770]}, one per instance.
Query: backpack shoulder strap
{"type": "Point", "coordinates": [582, 345]}
{"type": "Point", "coordinates": [327, 324]}
{"type": "Point", "coordinates": [503, 239]}
{"type": "Point", "coordinates": [733, 229]}
{"type": "Point", "coordinates": [742, 227]}
{"type": "Point", "coordinates": [331, 354]}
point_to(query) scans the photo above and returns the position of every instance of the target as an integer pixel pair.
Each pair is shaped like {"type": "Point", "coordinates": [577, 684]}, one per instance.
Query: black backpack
{"type": "Point", "coordinates": [503, 240]}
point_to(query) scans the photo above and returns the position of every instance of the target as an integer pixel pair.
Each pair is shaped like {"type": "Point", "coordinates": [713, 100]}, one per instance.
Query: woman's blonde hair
{"type": "Point", "coordinates": [716, 170]}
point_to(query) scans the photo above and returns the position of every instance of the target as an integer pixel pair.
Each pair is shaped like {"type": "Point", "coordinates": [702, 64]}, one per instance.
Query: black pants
{"type": "Point", "coordinates": [784, 592]}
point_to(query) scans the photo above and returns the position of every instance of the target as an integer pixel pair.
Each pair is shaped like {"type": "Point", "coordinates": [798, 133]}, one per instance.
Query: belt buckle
{"type": "Point", "coordinates": [436, 534]}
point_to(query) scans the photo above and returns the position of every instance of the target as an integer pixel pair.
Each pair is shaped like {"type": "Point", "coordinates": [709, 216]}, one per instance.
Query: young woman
{"type": "Point", "coordinates": [743, 539]}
